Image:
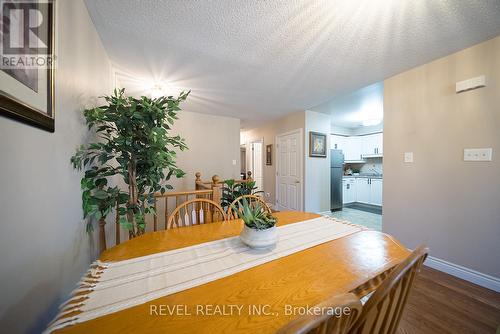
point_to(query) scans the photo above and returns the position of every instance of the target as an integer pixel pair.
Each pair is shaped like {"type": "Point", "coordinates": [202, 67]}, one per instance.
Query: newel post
{"type": "Point", "coordinates": [217, 189]}
{"type": "Point", "coordinates": [197, 180]}
{"type": "Point", "coordinates": [102, 235]}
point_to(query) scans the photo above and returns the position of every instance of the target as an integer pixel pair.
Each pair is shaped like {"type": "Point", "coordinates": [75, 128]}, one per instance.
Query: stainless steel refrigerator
{"type": "Point", "coordinates": [336, 174]}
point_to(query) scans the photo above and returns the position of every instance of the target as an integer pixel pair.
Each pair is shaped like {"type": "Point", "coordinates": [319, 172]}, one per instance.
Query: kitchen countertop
{"type": "Point", "coordinates": [364, 176]}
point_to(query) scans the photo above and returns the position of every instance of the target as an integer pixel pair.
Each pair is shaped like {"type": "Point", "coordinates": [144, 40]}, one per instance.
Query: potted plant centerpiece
{"type": "Point", "coordinates": [259, 230]}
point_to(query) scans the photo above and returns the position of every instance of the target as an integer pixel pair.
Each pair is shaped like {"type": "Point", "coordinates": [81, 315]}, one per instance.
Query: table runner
{"type": "Point", "coordinates": [109, 287]}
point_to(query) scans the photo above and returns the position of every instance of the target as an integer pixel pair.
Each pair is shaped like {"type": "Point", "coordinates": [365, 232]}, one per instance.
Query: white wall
{"type": "Point", "coordinates": [213, 141]}
{"type": "Point", "coordinates": [439, 199]}
{"type": "Point", "coordinates": [44, 249]}
{"type": "Point", "coordinates": [317, 170]}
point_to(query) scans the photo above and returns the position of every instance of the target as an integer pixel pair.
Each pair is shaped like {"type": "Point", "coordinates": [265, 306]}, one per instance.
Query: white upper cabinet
{"type": "Point", "coordinates": [373, 144]}
{"type": "Point", "coordinates": [338, 142]}
{"type": "Point", "coordinates": [355, 147]}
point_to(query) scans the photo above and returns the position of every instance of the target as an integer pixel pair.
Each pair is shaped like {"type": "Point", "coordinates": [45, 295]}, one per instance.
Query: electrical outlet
{"type": "Point", "coordinates": [268, 195]}
{"type": "Point", "coordinates": [478, 154]}
{"type": "Point", "coordinates": [408, 157]}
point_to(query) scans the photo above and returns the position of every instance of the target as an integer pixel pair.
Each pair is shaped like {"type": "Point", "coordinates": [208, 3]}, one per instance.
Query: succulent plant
{"type": "Point", "coordinates": [255, 216]}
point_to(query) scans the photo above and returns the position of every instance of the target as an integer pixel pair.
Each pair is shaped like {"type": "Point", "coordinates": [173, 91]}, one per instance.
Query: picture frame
{"type": "Point", "coordinates": [317, 144]}
{"type": "Point", "coordinates": [27, 90]}
{"type": "Point", "coordinates": [269, 155]}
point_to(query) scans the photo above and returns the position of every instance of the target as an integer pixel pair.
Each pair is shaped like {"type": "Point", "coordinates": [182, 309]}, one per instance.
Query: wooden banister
{"type": "Point", "coordinates": [211, 190]}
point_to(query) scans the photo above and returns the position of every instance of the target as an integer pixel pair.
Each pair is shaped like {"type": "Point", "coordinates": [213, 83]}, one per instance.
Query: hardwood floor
{"type": "Point", "coordinates": [441, 303]}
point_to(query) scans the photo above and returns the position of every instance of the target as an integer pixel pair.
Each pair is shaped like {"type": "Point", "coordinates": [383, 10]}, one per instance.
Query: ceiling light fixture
{"type": "Point", "coordinates": [371, 122]}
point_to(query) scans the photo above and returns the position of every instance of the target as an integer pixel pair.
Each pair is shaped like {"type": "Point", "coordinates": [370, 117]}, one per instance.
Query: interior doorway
{"type": "Point", "coordinates": [254, 162]}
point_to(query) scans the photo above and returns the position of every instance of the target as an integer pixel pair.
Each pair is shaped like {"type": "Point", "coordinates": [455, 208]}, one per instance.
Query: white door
{"type": "Point", "coordinates": [289, 172]}
{"type": "Point", "coordinates": [376, 192]}
{"type": "Point", "coordinates": [363, 190]}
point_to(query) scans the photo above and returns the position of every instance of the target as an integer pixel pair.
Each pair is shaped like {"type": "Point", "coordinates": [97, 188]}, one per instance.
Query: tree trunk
{"type": "Point", "coordinates": [133, 198]}
{"type": "Point", "coordinates": [102, 235]}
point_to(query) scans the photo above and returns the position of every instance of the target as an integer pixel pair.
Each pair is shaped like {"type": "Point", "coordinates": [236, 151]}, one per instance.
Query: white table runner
{"type": "Point", "coordinates": [115, 286]}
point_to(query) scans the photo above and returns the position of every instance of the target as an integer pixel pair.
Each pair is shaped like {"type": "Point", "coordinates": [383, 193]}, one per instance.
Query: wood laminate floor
{"type": "Point", "coordinates": [441, 303]}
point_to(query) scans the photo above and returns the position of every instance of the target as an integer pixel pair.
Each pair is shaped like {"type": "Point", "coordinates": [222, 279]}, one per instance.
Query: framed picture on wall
{"type": "Point", "coordinates": [27, 62]}
{"type": "Point", "coordinates": [269, 155]}
{"type": "Point", "coordinates": [317, 144]}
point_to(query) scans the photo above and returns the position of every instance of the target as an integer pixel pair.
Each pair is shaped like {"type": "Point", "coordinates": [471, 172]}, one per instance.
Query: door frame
{"type": "Point", "coordinates": [300, 131]}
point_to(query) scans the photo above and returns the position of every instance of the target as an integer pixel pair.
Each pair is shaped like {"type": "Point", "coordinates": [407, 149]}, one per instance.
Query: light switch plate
{"type": "Point", "coordinates": [408, 157]}
{"type": "Point", "coordinates": [234, 162]}
{"type": "Point", "coordinates": [478, 154]}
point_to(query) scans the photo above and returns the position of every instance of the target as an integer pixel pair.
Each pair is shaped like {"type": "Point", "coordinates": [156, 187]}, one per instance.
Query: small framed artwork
{"type": "Point", "coordinates": [317, 144]}
{"type": "Point", "coordinates": [269, 154]}
{"type": "Point", "coordinates": [27, 67]}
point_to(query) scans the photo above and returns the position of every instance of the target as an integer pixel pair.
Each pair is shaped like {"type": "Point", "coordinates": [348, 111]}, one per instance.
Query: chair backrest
{"type": "Point", "coordinates": [382, 312]}
{"type": "Point", "coordinates": [196, 211]}
{"type": "Point", "coordinates": [336, 317]}
{"type": "Point", "coordinates": [232, 211]}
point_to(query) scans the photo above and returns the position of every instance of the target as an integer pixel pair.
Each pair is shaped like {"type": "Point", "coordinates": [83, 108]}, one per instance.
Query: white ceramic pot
{"type": "Point", "coordinates": [259, 238]}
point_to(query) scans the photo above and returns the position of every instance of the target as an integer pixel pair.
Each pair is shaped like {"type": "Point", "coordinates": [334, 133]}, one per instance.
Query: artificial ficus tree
{"type": "Point", "coordinates": [134, 143]}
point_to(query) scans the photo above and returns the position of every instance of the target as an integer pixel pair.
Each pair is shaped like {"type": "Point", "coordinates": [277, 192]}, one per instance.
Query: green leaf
{"type": "Point", "coordinates": [101, 194]}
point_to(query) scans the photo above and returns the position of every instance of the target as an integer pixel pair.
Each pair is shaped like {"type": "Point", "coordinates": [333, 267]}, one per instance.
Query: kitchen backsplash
{"type": "Point", "coordinates": [372, 166]}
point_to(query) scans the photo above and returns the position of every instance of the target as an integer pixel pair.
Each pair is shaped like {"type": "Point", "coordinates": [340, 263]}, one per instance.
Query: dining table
{"type": "Point", "coordinates": [257, 300]}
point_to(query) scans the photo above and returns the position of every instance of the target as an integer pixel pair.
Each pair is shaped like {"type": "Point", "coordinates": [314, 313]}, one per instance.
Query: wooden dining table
{"type": "Point", "coordinates": [257, 300]}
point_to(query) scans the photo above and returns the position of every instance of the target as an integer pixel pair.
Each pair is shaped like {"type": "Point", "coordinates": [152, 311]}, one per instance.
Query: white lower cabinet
{"type": "Point", "coordinates": [376, 192]}
{"type": "Point", "coordinates": [349, 190]}
{"type": "Point", "coordinates": [363, 190]}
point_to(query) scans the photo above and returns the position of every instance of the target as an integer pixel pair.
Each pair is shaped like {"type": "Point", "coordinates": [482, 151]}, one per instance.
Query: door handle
{"type": "Point", "coordinates": [297, 181]}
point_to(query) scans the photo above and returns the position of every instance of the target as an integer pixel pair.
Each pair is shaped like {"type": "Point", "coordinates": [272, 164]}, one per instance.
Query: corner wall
{"type": "Point", "coordinates": [452, 205]}
{"type": "Point", "coordinates": [44, 249]}
{"type": "Point", "coordinates": [317, 170]}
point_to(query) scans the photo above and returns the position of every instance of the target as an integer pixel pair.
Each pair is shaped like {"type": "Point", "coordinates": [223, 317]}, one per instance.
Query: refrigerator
{"type": "Point", "coordinates": [336, 174]}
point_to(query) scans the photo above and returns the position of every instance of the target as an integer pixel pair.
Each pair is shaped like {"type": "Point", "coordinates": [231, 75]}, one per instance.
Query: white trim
{"type": "Point", "coordinates": [484, 280]}
{"type": "Point", "coordinates": [301, 155]}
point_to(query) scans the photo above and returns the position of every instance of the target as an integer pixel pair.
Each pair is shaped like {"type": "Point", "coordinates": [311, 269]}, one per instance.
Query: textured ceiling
{"type": "Point", "coordinates": [350, 110]}
{"type": "Point", "coordinates": [258, 60]}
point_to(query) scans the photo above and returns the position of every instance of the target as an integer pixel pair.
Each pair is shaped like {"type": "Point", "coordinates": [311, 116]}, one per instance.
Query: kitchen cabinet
{"type": "Point", "coordinates": [338, 142]}
{"type": "Point", "coordinates": [367, 191]}
{"type": "Point", "coordinates": [363, 191]}
{"type": "Point", "coordinates": [376, 192]}
{"type": "Point", "coordinates": [348, 190]}
{"type": "Point", "coordinates": [355, 148]}
{"type": "Point", "coordinates": [373, 144]}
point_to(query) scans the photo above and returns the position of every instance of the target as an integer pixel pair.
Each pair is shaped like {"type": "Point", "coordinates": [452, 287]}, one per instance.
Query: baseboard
{"type": "Point", "coordinates": [486, 281]}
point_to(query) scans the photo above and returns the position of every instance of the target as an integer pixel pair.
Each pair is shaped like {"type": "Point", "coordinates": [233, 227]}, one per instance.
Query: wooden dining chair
{"type": "Point", "coordinates": [382, 312]}
{"type": "Point", "coordinates": [345, 310]}
{"type": "Point", "coordinates": [196, 211]}
{"type": "Point", "coordinates": [232, 211]}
